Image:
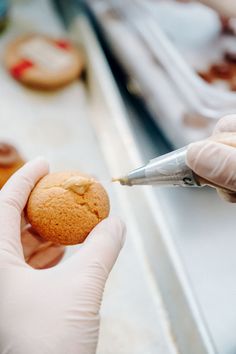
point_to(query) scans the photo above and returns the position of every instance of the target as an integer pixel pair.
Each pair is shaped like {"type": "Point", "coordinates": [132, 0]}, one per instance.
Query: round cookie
{"type": "Point", "coordinates": [42, 62]}
{"type": "Point", "coordinates": [64, 207]}
{"type": "Point", "coordinates": [10, 162]}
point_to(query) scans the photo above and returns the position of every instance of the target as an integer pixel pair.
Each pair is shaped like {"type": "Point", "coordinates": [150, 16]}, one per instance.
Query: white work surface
{"type": "Point", "coordinates": [58, 126]}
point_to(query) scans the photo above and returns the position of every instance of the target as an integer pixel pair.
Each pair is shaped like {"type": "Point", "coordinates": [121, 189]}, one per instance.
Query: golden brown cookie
{"type": "Point", "coordinates": [43, 62]}
{"type": "Point", "coordinates": [64, 207]}
{"type": "Point", "coordinates": [10, 161]}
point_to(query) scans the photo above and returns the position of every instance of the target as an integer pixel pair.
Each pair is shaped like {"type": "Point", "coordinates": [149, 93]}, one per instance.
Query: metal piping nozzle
{"type": "Point", "coordinates": [169, 170]}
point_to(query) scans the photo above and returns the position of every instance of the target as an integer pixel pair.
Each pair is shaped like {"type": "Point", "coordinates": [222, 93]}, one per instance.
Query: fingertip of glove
{"type": "Point", "coordinates": [41, 162]}
{"type": "Point", "coordinates": [114, 227]}
{"type": "Point", "coordinates": [226, 124]}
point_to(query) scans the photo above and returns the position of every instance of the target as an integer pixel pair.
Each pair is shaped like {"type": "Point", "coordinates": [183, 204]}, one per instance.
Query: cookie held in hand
{"type": "Point", "coordinates": [64, 207]}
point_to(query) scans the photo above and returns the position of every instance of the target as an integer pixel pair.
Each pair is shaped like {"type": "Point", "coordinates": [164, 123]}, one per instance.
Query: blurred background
{"type": "Point", "coordinates": [178, 57]}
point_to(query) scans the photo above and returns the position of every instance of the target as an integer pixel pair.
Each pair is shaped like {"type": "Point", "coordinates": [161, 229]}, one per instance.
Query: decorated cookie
{"type": "Point", "coordinates": [43, 62]}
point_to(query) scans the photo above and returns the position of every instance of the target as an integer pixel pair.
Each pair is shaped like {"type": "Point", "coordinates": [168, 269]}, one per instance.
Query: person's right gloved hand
{"type": "Point", "coordinates": [215, 161]}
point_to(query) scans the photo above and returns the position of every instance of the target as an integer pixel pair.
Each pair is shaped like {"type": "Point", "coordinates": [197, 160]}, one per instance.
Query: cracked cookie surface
{"type": "Point", "coordinates": [64, 207]}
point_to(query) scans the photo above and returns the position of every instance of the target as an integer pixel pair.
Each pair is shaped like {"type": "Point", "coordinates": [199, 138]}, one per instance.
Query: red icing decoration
{"type": "Point", "coordinates": [18, 69]}
{"type": "Point", "coordinates": [62, 43]}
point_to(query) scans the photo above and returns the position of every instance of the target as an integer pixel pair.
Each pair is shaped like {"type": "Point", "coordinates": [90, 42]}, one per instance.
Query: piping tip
{"type": "Point", "coordinates": [121, 180]}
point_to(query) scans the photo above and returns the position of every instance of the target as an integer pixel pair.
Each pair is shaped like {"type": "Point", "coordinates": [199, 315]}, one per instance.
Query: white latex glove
{"type": "Point", "coordinates": [216, 161]}
{"type": "Point", "coordinates": [226, 8]}
{"type": "Point", "coordinates": [223, 7]}
{"type": "Point", "coordinates": [52, 311]}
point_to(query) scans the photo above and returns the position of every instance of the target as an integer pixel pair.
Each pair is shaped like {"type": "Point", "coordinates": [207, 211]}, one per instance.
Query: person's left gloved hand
{"type": "Point", "coordinates": [52, 311]}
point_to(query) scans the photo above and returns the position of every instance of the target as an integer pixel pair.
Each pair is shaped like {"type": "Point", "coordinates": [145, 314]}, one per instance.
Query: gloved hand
{"type": "Point", "coordinates": [224, 8]}
{"type": "Point", "coordinates": [215, 161]}
{"type": "Point", "coordinates": [52, 311]}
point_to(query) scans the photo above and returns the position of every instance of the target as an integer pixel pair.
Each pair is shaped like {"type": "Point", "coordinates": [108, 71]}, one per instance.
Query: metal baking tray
{"type": "Point", "coordinates": [91, 121]}
{"type": "Point", "coordinates": [187, 235]}
{"type": "Point", "coordinates": [121, 150]}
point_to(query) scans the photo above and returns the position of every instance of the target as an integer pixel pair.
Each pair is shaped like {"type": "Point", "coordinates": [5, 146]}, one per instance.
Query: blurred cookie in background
{"type": "Point", "coordinates": [10, 161]}
{"type": "Point", "coordinates": [43, 62]}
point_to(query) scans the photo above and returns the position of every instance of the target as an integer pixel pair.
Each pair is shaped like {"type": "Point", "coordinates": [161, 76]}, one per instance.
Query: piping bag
{"type": "Point", "coordinates": [171, 169]}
